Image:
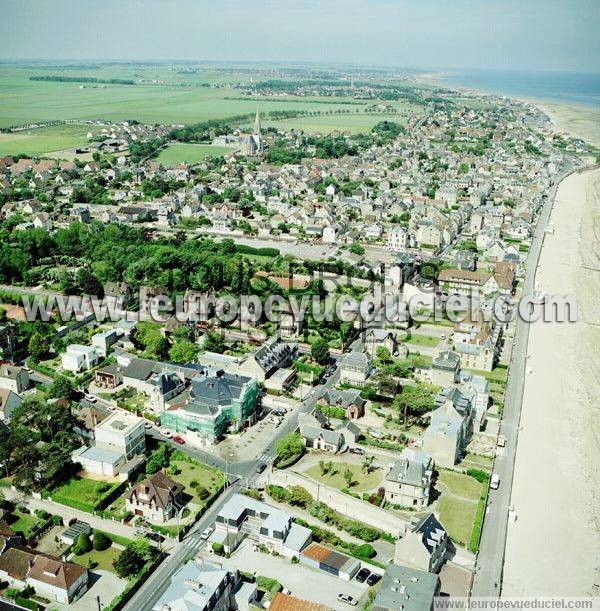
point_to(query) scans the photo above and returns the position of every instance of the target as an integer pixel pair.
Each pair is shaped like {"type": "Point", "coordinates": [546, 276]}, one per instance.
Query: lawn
{"type": "Point", "coordinates": [43, 140]}
{"type": "Point", "coordinates": [101, 560]}
{"type": "Point", "coordinates": [363, 482]}
{"type": "Point", "coordinates": [80, 492]}
{"type": "Point", "coordinates": [460, 484]}
{"type": "Point", "coordinates": [133, 403]}
{"type": "Point", "coordinates": [457, 518]}
{"type": "Point", "coordinates": [190, 153]}
{"type": "Point", "coordinates": [194, 471]}
{"type": "Point", "coordinates": [475, 461]}
{"type": "Point", "coordinates": [418, 339]}
{"type": "Point", "coordinates": [24, 521]}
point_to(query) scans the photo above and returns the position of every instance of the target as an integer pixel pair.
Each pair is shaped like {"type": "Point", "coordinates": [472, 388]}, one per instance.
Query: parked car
{"type": "Point", "coordinates": [261, 467]}
{"type": "Point", "coordinates": [111, 408]}
{"type": "Point", "coordinates": [501, 441]}
{"type": "Point", "coordinates": [349, 600]}
{"type": "Point", "coordinates": [373, 579]}
{"type": "Point", "coordinates": [362, 575]}
{"type": "Point", "coordinates": [147, 425]}
{"type": "Point", "coordinates": [90, 398]}
{"type": "Point", "coordinates": [357, 451]}
{"type": "Point", "coordinates": [179, 440]}
{"type": "Point", "coordinates": [166, 433]}
{"type": "Point", "coordinates": [495, 481]}
{"type": "Point", "coordinates": [206, 533]}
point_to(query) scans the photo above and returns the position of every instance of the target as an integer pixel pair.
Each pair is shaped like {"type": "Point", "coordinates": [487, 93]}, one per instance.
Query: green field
{"type": "Point", "coordinates": [190, 153]}
{"type": "Point", "coordinates": [362, 482]}
{"type": "Point", "coordinates": [43, 140]}
{"type": "Point", "coordinates": [163, 94]}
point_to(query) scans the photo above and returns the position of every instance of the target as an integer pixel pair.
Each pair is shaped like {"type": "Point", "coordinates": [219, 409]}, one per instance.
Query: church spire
{"type": "Point", "coordinates": [257, 123]}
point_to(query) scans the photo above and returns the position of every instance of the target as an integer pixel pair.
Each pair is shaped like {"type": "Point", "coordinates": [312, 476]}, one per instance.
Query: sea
{"type": "Point", "coordinates": [563, 87]}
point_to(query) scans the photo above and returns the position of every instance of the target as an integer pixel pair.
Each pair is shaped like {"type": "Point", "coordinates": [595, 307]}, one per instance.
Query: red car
{"type": "Point", "coordinates": [179, 440]}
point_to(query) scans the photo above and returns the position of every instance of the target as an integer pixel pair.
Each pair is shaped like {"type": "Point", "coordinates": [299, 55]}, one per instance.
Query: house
{"type": "Point", "coordinates": [50, 577]}
{"type": "Point", "coordinates": [398, 239]}
{"type": "Point", "coordinates": [157, 498]}
{"type": "Point", "coordinates": [123, 433]}
{"type": "Point", "coordinates": [78, 358]}
{"type": "Point", "coordinates": [317, 437]}
{"type": "Point", "coordinates": [215, 401]}
{"type": "Point", "coordinates": [407, 589]}
{"type": "Point", "coordinates": [242, 516]}
{"type": "Point", "coordinates": [8, 537]}
{"type": "Point", "coordinates": [9, 401]}
{"type": "Point", "coordinates": [450, 427]}
{"type": "Point", "coordinates": [466, 282]}
{"type": "Point", "coordinates": [423, 545]}
{"type": "Point", "coordinates": [14, 378]}
{"type": "Point", "coordinates": [445, 368]}
{"type": "Point", "coordinates": [274, 354]}
{"type": "Point", "coordinates": [380, 338]}
{"type": "Point", "coordinates": [109, 377]}
{"type": "Point", "coordinates": [408, 481]}
{"type": "Point", "coordinates": [103, 341]}
{"type": "Point", "coordinates": [319, 557]}
{"type": "Point", "coordinates": [42, 221]}
{"type": "Point", "coordinates": [355, 368]}
{"type": "Point", "coordinates": [200, 587]}
{"type": "Point", "coordinates": [287, 602]}
{"type": "Point", "coordinates": [349, 400]}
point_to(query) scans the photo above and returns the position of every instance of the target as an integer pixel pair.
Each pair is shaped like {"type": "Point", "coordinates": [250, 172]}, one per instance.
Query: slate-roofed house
{"type": "Point", "coordinates": [445, 368]}
{"type": "Point", "coordinates": [407, 589]}
{"type": "Point", "coordinates": [274, 354]}
{"type": "Point", "coordinates": [158, 498]}
{"type": "Point", "coordinates": [317, 437]}
{"type": "Point", "coordinates": [450, 427]}
{"type": "Point", "coordinates": [408, 481]}
{"type": "Point", "coordinates": [15, 378]}
{"type": "Point", "coordinates": [9, 401]}
{"type": "Point", "coordinates": [423, 546]}
{"type": "Point", "coordinates": [214, 402]}
{"type": "Point", "coordinates": [349, 400]}
{"type": "Point", "coordinates": [355, 368]}
{"type": "Point", "coordinates": [380, 338]}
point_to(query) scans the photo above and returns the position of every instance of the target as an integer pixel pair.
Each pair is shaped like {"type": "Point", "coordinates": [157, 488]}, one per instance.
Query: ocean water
{"type": "Point", "coordinates": [566, 87]}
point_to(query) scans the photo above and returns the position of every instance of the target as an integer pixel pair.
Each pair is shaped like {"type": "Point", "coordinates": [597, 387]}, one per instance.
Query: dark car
{"type": "Point", "coordinates": [362, 575]}
{"type": "Point", "coordinates": [261, 467]}
{"type": "Point", "coordinates": [357, 451]}
{"type": "Point", "coordinates": [373, 579]}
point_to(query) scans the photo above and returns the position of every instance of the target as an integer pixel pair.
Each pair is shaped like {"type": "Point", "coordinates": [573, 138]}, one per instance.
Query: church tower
{"type": "Point", "coordinates": [257, 123]}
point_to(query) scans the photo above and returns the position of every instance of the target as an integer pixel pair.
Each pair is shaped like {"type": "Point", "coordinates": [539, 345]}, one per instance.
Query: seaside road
{"type": "Point", "coordinates": [487, 581]}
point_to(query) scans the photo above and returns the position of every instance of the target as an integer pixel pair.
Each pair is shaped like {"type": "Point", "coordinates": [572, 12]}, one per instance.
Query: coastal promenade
{"type": "Point", "coordinates": [487, 581]}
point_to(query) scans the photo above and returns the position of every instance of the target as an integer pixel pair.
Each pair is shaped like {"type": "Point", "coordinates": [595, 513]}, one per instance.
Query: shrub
{"type": "Point", "coordinates": [218, 548]}
{"type": "Point", "coordinates": [82, 545]}
{"type": "Point", "coordinates": [481, 476]}
{"type": "Point", "coordinates": [101, 542]}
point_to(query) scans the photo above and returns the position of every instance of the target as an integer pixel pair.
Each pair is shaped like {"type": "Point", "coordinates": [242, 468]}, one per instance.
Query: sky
{"type": "Point", "coordinates": [483, 34]}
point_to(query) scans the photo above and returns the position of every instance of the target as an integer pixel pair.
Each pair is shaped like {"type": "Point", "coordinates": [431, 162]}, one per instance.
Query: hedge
{"type": "Point", "coordinates": [118, 539]}
{"type": "Point", "coordinates": [288, 462]}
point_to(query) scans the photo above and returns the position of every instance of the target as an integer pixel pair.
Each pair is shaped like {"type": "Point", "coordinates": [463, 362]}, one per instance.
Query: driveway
{"type": "Point", "coordinates": [302, 581]}
{"type": "Point", "coordinates": [103, 587]}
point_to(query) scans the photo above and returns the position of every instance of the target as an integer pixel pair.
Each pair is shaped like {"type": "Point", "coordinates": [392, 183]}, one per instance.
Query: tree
{"type": "Point", "coordinates": [37, 346]}
{"type": "Point", "coordinates": [356, 249]}
{"type": "Point", "coordinates": [83, 545]}
{"type": "Point", "coordinates": [101, 541]}
{"type": "Point", "coordinates": [349, 477]}
{"type": "Point", "coordinates": [183, 351]}
{"type": "Point", "coordinates": [415, 400]}
{"type": "Point", "coordinates": [128, 563]}
{"type": "Point", "coordinates": [213, 342]}
{"type": "Point", "coordinates": [159, 459]}
{"type": "Point", "coordinates": [383, 354]}
{"type": "Point", "coordinates": [61, 388]}
{"type": "Point", "coordinates": [322, 467]}
{"type": "Point", "coordinates": [289, 446]}
{"type": "Point", "coordinates": [319, 351]}
{"type": "Point", "coordinates": [367, 465]}
{"type": "Point", "coordinates": [299, 497]}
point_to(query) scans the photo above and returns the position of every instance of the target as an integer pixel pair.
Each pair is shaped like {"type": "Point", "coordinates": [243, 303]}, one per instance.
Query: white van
{"type": "Point", "coordinates": [495, 481]}
{"type": "Point", "coordinates": [501, 441]}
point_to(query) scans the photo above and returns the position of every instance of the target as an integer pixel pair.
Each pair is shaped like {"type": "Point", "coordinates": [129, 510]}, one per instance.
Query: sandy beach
{"type": "Point", "coordinates": [553, 548]}
{"type": "Point", "coordinates": [578, 121]}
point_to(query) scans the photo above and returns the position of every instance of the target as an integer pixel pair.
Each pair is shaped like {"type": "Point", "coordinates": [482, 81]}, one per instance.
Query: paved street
{"type": "Point", "coordinates": [490, 560]}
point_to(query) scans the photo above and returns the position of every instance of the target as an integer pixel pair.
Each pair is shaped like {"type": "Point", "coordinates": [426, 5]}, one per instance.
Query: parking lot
{"type": "Point", "coordinates": [303, 582]}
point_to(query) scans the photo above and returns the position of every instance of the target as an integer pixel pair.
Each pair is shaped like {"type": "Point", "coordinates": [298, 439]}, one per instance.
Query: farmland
{"type": "Point", "coordinates": [43, 140]}
{"type": "Point", "coordinates": [164, 94]}
{"type": "Point", "coordinates": [189, 153]}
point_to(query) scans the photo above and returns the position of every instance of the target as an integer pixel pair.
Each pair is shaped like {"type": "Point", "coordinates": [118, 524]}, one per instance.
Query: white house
{"type": "Point", "coordinates": [79, 358]}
